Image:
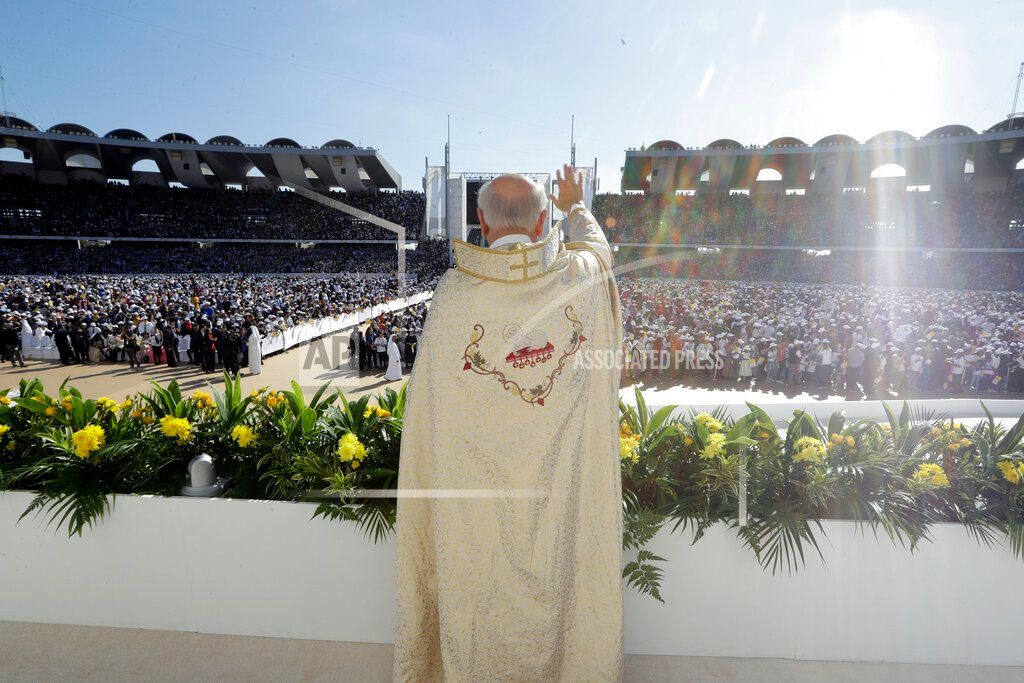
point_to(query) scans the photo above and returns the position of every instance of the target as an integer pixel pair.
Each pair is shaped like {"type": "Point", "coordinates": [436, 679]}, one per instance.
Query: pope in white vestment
{"type": "Point", "coordinates": [509, 519]}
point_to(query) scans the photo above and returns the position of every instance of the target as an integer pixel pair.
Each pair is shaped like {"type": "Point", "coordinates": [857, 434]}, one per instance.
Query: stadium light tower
{"type": "Point", "coordinates": [447, 179]}
{"type": "Point", "coordinates": [572, 141]}
{"type": "Point", "coordinates": [3, 100]}
{"type": "Point", "coordinates": [1016, 93]}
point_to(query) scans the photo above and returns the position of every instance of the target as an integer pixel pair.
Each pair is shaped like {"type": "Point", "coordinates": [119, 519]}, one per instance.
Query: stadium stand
{"type": "Point", "coordinates": [92, 209]}
{"type": "Point", "coordinates": [958, 218]}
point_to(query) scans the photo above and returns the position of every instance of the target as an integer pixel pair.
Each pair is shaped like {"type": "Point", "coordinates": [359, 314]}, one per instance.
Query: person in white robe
{"type": "Point", "coordinates": [514, 400]}
{"type": "Point", "coordinates": [255, 351]}
{"type": "Point", "coordinates": [28, 339]}
{"type": "Point", "coordinates": [42, 339]}
{"type": "Point", "coordinates": [394, 371]}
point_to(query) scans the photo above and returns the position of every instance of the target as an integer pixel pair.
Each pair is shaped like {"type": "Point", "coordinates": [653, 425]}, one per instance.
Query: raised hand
{"type": "Point", "coordinates": [570, 188]}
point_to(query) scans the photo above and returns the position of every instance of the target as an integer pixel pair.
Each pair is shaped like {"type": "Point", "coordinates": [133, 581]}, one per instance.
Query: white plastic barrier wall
{"type": "Point", "coordinates": [293, 336]}
{"type": "Point", "coordinates": [266, 569]}
{"type": "Point", "coordinates": [780, 411]}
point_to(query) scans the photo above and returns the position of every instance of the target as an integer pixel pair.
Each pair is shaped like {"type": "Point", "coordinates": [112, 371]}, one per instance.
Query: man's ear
{"type": "Point", "coordinates": [538, 229]}
{"type": "Point", "coordinates": [484, 228]}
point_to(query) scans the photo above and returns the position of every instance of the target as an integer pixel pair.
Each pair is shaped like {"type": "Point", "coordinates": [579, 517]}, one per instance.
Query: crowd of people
{"type": "Point", "coordinates": [369, 346]}
{"type": "Point", "coordinates": [92, 209]}
{"type": "Point", "coordinates": [207, 320]}
{"type": "Point", "coordinates": [44, 257]}
{"type": "Point", "coordinates": [904, 219]}
{"type": "Point", "coordinates": [950, 270]}
{"type": "Point", "coordinates": [919, 219]}
{"type": "Point", "coordinates": [868, 322]}
{"type": "Point", "coordinates": [822, 339]}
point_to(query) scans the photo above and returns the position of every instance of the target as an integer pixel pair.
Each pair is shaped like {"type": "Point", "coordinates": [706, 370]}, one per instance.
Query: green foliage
{"type": "Point", "coordinates": [643, 575]}
{"type": "Point", "coordinates": [680, 472]}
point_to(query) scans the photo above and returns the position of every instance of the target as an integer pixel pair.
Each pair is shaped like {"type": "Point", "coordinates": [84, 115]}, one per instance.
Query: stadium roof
{"type": "Point", "coordinates": [947, 157]}
{"type": "Point", "coordinates": [70, 150]}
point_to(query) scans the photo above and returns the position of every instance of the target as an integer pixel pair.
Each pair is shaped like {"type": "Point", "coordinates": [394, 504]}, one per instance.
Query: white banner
{"type": "Point", "coordinates": [433, 189]}
{"type": "Point", "coordinates": [588, 185]}
{"type": "Point", "coordinates": [456, 206]}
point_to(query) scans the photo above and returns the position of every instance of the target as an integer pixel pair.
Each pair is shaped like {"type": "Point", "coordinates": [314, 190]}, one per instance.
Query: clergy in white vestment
{"type": "Point", "coordinates": [509, 522]}
{"type": "Point", "coordinates": [394, 371]}
{"type": "Point", "coordinates": [28, 340]}
{"type": "Point", "coordinates": [255, 352]}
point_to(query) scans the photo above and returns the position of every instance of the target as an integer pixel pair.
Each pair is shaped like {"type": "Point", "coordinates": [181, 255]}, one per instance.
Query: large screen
{"type": "Point", "coordinates": [472, 189]}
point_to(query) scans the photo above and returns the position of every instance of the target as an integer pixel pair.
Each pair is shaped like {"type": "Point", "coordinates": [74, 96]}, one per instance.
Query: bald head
{"type": "Point", "coordinates": [511, 205]}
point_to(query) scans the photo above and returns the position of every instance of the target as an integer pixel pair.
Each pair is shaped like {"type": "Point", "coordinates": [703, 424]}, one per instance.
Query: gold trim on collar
{"type": "Point", "coordinates": [518, 246]}
{"type": "Point", "coordinates": [522, 263]}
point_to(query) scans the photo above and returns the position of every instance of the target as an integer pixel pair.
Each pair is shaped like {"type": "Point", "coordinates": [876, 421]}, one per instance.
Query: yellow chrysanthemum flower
{"type": "Point", "coordinates": [5, 400]}
{"type": "Point", "coordinates": [931, 474]}
{"type": "Point", "coordinates": [808, 449]}
{"type": "Point", "coordinates": [850, 442]}
{"type": "Point", "coordinates": [271, 401]}
{"type": "Point", "coordinates": [709, 421]}
{"type": "Point", "coordinates": [376, 410]}
{"type": "Point", "coordinates": [88, 440]}
{"type": "Point", "coordinates": [350, 449]}
{"type": "Point", "coordinates": [628, 446]}
{"type": "Point", "coordinates": [4, 429]}
{"type": "Point", "coordinates": [243, 435]}
{"type": "Point", "coordinates": [176, 427]}
{"type": "Point", "coordinates": [714, 447]}
{"type": "Point", "coordinates": [105, 403]}
{"type": "Point", "coordinates": [67, 403]}
{"type": "Point", "coordinates": [203, 399]}
{"type": "Point", "coordinates": [1011, 473]}
{"type": "Point", "coordinates": [50, 411]}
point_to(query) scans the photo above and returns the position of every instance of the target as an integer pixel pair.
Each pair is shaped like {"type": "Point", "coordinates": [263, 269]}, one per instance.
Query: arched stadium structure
{"type": "Point", "coordinates": [835, 162]}
{"type": "Point", "coordinates": [180, 158]}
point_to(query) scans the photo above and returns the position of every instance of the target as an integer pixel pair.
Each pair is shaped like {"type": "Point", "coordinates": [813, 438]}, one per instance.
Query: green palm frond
{"type": "Point", "coordinates": [643, 575]}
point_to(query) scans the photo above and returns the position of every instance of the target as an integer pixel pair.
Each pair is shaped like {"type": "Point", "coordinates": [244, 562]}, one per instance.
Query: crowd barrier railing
{"type": "Point", "coordinates": [299, 334]}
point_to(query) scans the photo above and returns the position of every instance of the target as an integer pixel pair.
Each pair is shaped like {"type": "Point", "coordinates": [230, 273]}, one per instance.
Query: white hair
{"type": "Point", "coordinates": [506, 210]}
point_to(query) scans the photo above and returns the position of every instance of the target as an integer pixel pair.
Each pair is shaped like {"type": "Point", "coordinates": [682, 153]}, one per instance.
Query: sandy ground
{"type": "Point", "coordinates": [321, 361]}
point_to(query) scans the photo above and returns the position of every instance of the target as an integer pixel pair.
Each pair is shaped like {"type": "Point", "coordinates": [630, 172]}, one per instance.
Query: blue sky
{"type": "Point", "coordinates": [510, 74]}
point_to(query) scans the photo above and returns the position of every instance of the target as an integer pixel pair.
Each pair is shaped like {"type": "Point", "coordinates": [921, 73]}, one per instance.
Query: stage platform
{"type": "Point", "coordinates": [55, 652]}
